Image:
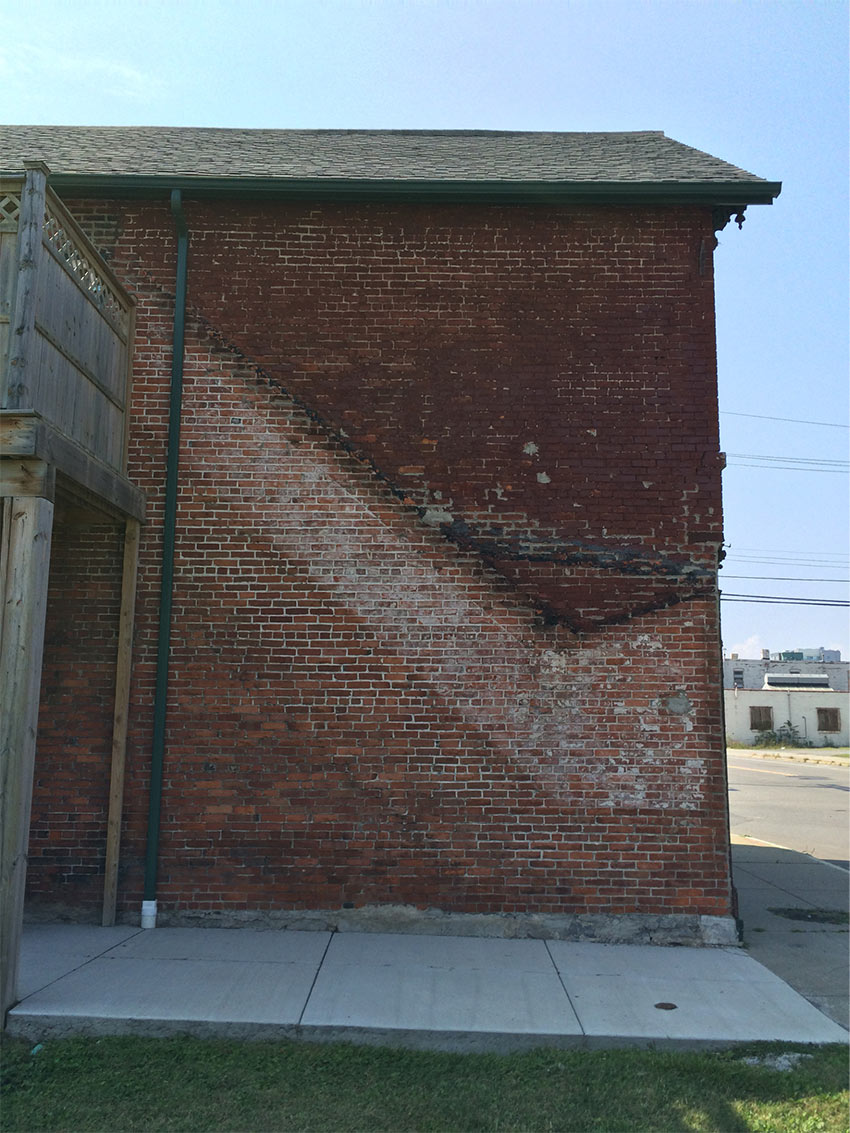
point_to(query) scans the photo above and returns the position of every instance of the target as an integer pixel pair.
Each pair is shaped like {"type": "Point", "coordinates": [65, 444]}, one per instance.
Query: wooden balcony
{"type": "Point", "coordinates": [66, 346]}
{"type": "Point", "coordinates": [66, 343]}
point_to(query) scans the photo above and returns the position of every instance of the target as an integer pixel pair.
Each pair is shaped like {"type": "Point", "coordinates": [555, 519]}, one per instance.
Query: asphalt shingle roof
{"type": "Point", "coordinates": [460, 157]}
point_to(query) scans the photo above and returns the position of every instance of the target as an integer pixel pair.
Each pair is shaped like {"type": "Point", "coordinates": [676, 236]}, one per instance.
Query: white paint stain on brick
{"type": "Point", "coordinates": [426, 606]}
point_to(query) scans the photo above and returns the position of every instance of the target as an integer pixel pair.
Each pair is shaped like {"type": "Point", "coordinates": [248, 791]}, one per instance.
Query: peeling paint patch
{"type": "Point", "coordinates": [531, 448]}
{"type": "Point", "coordinates": [679, 704]}
{"type": "Point", "coordinates": [542, 478]}
{"type": "Point", "coordinates": [649, 642]}
{"type": "Point", "coordinates": [435, 516]}
{"type": "Point", "coordinates": [554, 662]}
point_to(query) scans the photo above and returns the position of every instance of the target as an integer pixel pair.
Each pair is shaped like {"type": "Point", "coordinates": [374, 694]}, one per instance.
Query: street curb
{"type": "Point", "coordinates": [752, 841]}
{"type": "Point", "coordinates": [793, 756]}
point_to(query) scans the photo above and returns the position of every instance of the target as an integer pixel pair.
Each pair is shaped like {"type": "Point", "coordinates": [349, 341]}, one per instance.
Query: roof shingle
{"type": "Point", "coordinates": [459, 157]}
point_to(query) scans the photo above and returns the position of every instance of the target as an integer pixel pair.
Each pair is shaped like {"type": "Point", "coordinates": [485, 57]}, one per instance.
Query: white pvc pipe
{"type": "Point", "coordinates": [148, 914]}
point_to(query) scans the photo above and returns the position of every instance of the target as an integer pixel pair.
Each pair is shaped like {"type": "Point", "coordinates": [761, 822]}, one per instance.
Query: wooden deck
{"type": "Point", "coordinates": [66, 347]}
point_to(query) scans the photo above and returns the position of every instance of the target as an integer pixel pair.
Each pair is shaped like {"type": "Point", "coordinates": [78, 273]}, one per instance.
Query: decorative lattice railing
{"type": "Point", "coordinates": [83, 267]}
{"type": "Point", "coordinates": [66, 323]}
{"type": "Point", "coordinates": [10, 211]}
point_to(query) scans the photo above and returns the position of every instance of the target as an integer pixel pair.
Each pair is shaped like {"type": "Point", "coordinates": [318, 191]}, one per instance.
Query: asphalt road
{"type": "Point", "coordinates": [803, 806]}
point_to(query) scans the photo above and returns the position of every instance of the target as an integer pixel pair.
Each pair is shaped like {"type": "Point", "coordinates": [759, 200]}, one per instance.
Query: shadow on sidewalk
{"type": "Point", "coordinates": [794, 913]}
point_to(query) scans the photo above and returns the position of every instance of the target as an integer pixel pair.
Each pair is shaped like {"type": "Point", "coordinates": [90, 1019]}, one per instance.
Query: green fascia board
{"type": "Point", "coordinates": [726, 193]}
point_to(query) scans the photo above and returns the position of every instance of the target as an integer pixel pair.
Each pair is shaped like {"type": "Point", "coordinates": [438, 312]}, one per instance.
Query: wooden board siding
{"type": "Point", "coordinates": [67, 397]}
{"type": "Point", "coordinates": [8, 271]}
{"type": "Point", "coordinates": [75, 364]}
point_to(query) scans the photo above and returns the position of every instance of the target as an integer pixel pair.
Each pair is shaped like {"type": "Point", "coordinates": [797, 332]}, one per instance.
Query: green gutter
{"type": "Point", "coordinates": [167, 580]}
{"type": "Point", "coordinates": [731, 193]}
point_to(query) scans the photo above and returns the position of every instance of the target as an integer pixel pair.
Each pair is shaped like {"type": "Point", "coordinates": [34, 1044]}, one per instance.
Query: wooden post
{"type": "Point", "coordinates": [17, 392]}
{"type": "Point", "coordinates": [119, 723]}
{"type": "Point", "coordinates": [24, 567]}
{"type": "Point", "coordinates": [128, 386]}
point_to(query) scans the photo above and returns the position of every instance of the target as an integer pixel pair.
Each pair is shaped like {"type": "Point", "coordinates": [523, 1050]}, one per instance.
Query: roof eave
{"type": "Point", "coordinates": [727, 193]}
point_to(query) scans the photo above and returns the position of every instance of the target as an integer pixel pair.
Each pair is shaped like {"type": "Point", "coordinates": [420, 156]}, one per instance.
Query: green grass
{"type": "Point", "coordinates": [120, 1084]}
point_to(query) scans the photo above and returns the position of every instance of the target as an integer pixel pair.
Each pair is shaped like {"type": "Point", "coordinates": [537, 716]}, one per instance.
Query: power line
{"type": "Point", "coordinates": [788, 463]}
{"type": "Point", "coordinates": [786, 551]}
{"type": "Point", "coordinates": [786, 467]}
{"type": "Point", "coordinates": [753, 560]}
{"type": "Point", "coordinates": [784, 578]}
{"type": "Point", "coordinates": [775, 599]}
{"type": "Point", "coordinates": [791, 420]}
{"type": "Point", "coordinates": [835, 558]}
{"type": "Point", "coordinates": [795, 459]}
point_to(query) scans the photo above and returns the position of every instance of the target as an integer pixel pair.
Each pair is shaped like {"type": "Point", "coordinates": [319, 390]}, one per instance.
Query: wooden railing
{"type": "Point", "coordinates": [66, 323]}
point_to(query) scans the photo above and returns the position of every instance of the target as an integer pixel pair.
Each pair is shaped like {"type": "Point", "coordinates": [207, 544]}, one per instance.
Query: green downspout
{"type": "Point", "coordinates": [167, 583]}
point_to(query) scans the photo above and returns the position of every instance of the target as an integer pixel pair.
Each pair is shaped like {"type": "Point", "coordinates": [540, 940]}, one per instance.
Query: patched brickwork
{"type": "Point", "coordinates": [445, 629]}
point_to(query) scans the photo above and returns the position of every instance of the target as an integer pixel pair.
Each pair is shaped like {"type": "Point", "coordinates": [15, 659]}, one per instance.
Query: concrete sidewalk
{"type": "Point", "coordinates": [461, 992]}
{"type": "Point", "coordinates": [790, 904]}
{"type": "Point", "coordinates": [450, 993]}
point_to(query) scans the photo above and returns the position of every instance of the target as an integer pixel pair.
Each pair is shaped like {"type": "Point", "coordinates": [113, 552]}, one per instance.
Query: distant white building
{"type": "Point", "coordinates": [818, 654]}
{"type": "Point", "coordinates": [802, 692]}
{"type": "Point", "coordinates": [808, 715]}
{"type": "Point", "coordinates": [751, 673]}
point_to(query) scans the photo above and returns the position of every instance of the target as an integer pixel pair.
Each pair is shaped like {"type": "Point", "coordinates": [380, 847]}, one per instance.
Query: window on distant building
{"type": "Point", "coordinates": [829, 720]}
{"type": "Point", "coordinates": [761, 718]}
{"type": "Point", "coordinates": [737, 678]}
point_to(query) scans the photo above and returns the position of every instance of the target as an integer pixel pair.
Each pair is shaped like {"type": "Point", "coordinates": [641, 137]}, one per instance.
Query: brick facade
{"type": "Point", "coordinates": [445, 628]}
{"type": "Point", "coordinates": [71, 783]}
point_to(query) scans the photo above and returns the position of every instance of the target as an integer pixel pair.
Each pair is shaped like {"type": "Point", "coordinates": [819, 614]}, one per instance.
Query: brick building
{"type": "Point", "coordinates": [447, 516]}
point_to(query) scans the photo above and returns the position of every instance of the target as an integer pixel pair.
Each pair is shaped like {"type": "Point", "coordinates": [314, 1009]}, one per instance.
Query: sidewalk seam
{"type": "Point", "coordinates": [315, 978]}
{"type": "Point", "coordinates": [88, 960]}
{"type": "Point", "coordinates": [564, 986]}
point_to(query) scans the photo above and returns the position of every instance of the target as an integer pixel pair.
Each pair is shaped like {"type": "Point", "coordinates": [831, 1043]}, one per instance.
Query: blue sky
{"type": "Point", "coordinates": [760, 83]}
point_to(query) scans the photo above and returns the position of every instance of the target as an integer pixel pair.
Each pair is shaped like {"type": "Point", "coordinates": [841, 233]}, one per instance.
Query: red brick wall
{"type": "Point", "coordinates": [541, 380]}
{"type": "Point", "coordinates": [71, 782]}
{"type": "Point", "coordinates": [444, 625]}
